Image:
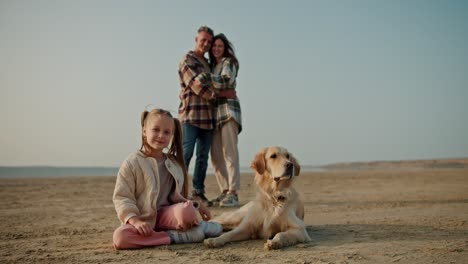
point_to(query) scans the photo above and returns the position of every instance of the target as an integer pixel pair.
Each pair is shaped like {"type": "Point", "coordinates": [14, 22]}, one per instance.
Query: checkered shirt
{"type": "Point", "coordinates": [196, 92]}
{"type": "Point", "coordinates": [224, 76]}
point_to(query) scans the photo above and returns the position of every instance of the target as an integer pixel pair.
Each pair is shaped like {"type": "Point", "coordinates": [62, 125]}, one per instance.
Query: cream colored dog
{"type": "Point", "coordinates": [277, 212]}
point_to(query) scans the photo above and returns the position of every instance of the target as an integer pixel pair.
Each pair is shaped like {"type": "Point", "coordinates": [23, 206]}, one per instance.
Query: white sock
{"type": "Point", "coordinates": [211, 229]}
{"type": "Point", "coordinates": [193, 235]}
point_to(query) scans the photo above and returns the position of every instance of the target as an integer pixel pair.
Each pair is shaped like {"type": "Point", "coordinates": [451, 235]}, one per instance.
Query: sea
{"type": "Point", "coordinates": [54, 172]}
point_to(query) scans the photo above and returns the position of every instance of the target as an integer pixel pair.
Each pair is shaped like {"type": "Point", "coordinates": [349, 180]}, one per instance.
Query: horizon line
{"type": "Point", "coordinates": [210, 167]}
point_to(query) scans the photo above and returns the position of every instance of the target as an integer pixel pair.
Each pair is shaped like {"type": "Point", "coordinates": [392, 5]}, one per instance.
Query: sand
{"type": "Point", "coordinates": [404, 215]}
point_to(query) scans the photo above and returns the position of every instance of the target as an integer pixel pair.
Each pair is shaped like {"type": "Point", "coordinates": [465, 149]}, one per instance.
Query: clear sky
{"type": "Point", "coordinates": [332, 81]}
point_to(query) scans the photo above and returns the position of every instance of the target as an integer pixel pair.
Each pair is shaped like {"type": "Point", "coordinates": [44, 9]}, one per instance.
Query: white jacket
{"type": "Point", "coordinates": [137, 187]}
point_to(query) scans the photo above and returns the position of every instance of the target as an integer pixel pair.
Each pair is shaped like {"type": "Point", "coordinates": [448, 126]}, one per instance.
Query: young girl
{"type": "Point", "coordinates": [150, 194]}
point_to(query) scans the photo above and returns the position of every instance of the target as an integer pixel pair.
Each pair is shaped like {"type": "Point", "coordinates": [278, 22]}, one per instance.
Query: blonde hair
{"type": "Point", "coordinates": [176, 149]}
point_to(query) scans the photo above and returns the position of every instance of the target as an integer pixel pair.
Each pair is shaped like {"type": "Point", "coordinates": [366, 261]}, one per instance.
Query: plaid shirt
{"type": "Point", "coordinates": [224, 76]}
{"type": "Point", "coordinates": [196, 92]}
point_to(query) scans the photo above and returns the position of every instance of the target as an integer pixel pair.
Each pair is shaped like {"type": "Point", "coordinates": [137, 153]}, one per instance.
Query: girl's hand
{"type": "Point", "coordinates": [204, 212]}
{"type": "Point", "coordinates": [142, 227]}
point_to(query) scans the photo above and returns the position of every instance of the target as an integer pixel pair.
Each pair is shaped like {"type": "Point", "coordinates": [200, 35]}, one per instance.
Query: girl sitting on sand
{"type": "Point", "coordinates": [150, 194]}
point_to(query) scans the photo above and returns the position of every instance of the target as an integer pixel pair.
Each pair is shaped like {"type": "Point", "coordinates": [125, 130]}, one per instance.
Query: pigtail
{"type": "Point", "coordinates": [178, 152]}
{"type": "Point", "coordinates": [144, 114]}
{"type": "Point", "coordinates": [144, 144]}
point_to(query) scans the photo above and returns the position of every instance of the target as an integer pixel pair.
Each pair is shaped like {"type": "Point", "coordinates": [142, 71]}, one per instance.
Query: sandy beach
{"type": "Point", "coordinates": [372, 214]}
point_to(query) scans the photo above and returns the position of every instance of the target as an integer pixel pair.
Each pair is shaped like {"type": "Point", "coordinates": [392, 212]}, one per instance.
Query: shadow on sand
{"type": "Point", "coordinates": [334, 235]}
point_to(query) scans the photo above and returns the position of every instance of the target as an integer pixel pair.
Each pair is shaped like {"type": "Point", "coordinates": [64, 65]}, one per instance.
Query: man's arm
{"type": "Point", "coordinates": [195, 80]}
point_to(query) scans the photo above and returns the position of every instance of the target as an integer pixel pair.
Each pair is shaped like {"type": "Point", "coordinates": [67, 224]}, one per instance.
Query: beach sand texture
{"type": "Point", "coordinates": [403, 214]}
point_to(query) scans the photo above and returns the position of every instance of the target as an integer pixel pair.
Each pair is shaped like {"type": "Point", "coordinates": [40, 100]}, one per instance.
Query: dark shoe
{"type": "Point", "coordinates": [202, 198]}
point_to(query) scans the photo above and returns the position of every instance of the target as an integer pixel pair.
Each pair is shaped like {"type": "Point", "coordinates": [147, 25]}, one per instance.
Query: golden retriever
{"type": "Point", "coordinates": [277, 212]}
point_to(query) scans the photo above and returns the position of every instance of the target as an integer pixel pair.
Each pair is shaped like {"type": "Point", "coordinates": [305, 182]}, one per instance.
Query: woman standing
{"type": "Point", "coordinates": [224, 151]}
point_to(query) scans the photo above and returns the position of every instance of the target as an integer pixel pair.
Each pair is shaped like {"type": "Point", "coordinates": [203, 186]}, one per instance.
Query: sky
{"type": "Point", "coordinates": [332, 81]}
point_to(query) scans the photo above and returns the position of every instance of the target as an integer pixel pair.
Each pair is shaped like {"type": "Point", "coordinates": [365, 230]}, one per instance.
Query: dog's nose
{"type": "Point", "coordinates": [289, 168]}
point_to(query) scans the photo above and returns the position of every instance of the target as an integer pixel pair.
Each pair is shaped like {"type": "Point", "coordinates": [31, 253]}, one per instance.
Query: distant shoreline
{"type": "Point", "coordinates": [12, 172]}
{"type": "Point", "coordinates": [449, 163]}
{"type": "Point", "coordinates": [55, 172]}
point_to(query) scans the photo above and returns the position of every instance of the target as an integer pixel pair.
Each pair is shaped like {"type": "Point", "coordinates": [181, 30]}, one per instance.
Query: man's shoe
{"type": "Point", "coordinates": [231, 200]}
{"type": "Point", "coordinates": [202, 198]}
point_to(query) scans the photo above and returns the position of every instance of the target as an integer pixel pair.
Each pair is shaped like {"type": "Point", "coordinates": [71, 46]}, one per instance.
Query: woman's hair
{"type": "Point", "coordinates": [228, 50]}
{"type": "Point", "coordinates": [175, 150]}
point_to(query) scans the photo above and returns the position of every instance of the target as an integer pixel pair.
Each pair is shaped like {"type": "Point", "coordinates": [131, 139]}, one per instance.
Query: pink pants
{"type": "Point", "coordinates": [180, 216]}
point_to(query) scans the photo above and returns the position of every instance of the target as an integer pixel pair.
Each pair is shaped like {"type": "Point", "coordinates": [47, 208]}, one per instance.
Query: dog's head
{"type": "Point", "coordinates": [277, 162]}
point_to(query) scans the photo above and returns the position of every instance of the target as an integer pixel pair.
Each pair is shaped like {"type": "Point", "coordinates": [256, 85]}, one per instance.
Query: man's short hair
{"type": "Point", "coordinates": [206, 29]}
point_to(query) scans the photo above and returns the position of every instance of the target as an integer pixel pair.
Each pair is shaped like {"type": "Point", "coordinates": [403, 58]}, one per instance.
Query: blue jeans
{"type": "Point", "coordinates": [202, 138]}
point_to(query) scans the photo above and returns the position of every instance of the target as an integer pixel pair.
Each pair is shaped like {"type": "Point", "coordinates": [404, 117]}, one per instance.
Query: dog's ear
{"type": "Point", "coordinates": [297, 167]}
{"type": "Point", "coordinates": [259, 162]}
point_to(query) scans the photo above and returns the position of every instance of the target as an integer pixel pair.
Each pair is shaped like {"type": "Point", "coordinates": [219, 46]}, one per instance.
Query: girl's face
{"type": "Point", "coordinates": [158, 130]}
{"type": "Point", "coordinates": [218, 49]}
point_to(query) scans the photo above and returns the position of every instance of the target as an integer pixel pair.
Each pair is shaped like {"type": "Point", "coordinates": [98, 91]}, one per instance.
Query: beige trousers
{"type": "Point", "coordinates": [225, 156]}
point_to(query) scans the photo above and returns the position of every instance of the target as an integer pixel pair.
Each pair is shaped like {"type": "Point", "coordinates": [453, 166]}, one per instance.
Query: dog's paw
{"type": "Point", "coordinates": [212, 243]}
{"type": "Point", "coordinates": [271, 244]}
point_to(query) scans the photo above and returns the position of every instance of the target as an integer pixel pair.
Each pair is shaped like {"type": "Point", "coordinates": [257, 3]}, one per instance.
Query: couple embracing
{"type": "Point", "coordinates": [210, 114]}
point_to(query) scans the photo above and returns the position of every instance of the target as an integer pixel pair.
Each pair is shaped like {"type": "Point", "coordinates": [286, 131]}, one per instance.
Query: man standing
{"type": "Point", "coordinates": [196, 110]}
